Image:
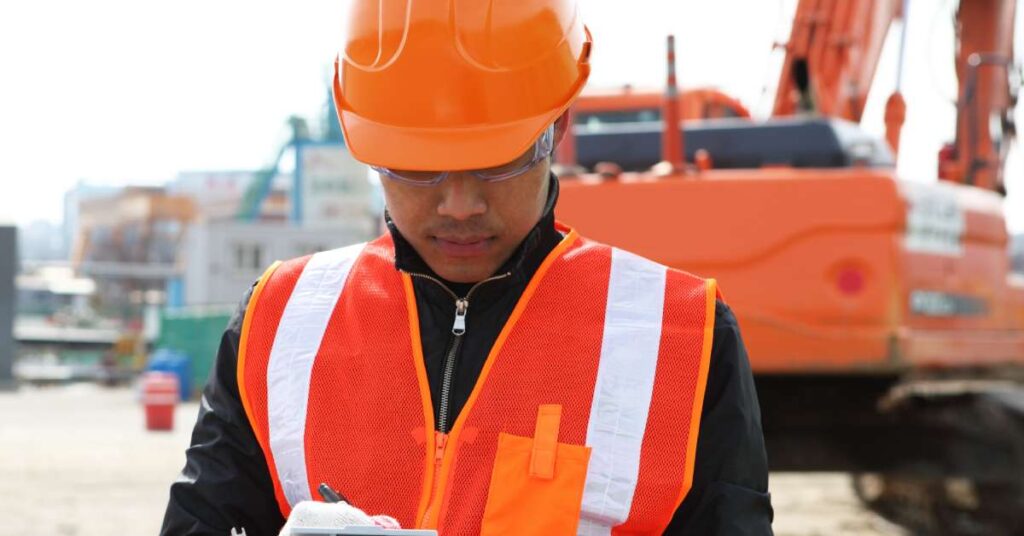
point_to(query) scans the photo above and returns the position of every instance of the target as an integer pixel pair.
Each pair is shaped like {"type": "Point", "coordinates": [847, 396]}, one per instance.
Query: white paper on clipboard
{"type": "Point", "coordinates": [361, 531]}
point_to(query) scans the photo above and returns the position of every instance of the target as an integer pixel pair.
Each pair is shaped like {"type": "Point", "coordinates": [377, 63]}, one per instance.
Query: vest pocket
{"type": "Point", "coordinates": [537, 483]}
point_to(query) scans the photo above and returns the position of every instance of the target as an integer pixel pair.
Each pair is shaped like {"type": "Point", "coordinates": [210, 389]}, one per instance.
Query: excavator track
{"type": "Point", "coordinates": [973, 484]}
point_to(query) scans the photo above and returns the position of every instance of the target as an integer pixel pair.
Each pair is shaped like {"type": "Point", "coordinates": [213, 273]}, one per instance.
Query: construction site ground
{"type": "Point", "coordinates": [77, 461]}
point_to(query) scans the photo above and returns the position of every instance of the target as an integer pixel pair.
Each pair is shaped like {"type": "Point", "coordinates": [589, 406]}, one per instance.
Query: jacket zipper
{"type": "Point", "coordinates": [458, 330]}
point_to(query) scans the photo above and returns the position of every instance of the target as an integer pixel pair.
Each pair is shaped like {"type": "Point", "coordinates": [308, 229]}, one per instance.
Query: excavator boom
{"type": "Point", "coordinates": [988, 78]}
{"type": "Point", "coordinates": [832, 55]}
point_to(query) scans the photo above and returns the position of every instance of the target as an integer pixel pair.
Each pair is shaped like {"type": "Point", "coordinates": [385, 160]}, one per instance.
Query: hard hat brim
{"type": "Point", "coordinates": [443, 149]}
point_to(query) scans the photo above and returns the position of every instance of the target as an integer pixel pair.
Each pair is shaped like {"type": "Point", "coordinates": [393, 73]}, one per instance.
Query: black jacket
{"type": "Point", "coordinates": [225, 482]}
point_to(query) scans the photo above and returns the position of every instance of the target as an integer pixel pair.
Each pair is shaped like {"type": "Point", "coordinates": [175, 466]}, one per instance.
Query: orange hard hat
{"type": "Point", "coordinates": [456, 84]}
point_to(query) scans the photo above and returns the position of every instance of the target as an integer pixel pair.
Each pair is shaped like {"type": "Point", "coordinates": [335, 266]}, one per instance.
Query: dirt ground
{"type": "Point", "coordinates": [77, 461]}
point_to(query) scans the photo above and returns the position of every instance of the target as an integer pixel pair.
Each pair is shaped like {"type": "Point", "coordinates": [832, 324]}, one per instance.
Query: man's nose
{"type": "Point", "coordinates": [462, 196]}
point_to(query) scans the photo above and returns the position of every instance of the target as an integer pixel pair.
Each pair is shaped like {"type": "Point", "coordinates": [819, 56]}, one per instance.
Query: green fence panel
{"type": "Point", "coordinates": [196, 332]}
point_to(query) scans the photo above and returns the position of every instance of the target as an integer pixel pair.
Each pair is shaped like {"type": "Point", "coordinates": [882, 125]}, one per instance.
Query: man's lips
{"type": "Point", "coordinates": [463, 246]}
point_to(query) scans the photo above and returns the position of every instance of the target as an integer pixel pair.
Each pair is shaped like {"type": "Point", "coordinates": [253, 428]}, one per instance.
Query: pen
{"type": "Point", "coordinates": [329, 495]}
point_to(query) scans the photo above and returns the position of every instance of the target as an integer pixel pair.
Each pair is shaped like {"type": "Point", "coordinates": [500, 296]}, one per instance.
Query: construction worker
{"type": "Point", "coordinates": [482, 368]}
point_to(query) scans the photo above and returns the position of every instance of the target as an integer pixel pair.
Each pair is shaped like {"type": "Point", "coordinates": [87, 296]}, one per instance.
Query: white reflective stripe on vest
{"type": "Point", "coordinates": [623, 390]}
{"type": "Point", "coordinates": [295, 347]}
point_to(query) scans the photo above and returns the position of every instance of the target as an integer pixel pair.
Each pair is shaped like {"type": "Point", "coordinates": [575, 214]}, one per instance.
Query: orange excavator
{"type": "Point", "coordinates": [884, 326]}
{"type": "Point", "coordinates": [628, 105]}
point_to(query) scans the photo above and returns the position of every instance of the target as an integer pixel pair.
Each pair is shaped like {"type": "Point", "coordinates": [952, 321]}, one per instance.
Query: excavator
{"type": "Point", "coordinates": [883, 323]}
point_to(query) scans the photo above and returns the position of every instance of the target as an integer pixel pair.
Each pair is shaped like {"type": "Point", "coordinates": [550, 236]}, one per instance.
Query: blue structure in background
{"type": "Point", "coordinates": [175, 292]}
{"type": "Point", "coordinates": [174, 362]}
{"type": "Point", "coordinates": [263, 182]}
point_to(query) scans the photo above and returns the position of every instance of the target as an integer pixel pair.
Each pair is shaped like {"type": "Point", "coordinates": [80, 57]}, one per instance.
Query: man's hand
{"type": "Point", "coordinates": [311, 514]}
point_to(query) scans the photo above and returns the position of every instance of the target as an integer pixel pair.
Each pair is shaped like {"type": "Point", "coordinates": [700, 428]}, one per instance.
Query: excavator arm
{"type": "Point", "coordinates": [988, 78]}
{"type": "Point", "coordinates": [832, 55]}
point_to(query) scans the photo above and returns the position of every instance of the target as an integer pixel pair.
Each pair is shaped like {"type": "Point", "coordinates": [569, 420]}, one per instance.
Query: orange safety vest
{"type": "Point", "coordinates": [584, 419]}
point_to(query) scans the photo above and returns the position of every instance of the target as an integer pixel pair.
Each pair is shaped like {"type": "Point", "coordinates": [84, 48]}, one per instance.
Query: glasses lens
{"type": "Point", "coordinates": [521, 163]}
{"type": "Point", "coordinates": [425, 177]}
{"type": "Point", "coordinates": [540, 149]}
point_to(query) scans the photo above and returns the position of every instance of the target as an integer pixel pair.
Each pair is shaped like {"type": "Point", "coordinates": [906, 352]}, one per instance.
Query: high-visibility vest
{"type": "Point", "coordinates": [584, 419]}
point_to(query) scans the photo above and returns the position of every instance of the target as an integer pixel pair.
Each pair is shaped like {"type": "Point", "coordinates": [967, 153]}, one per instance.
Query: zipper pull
{"type": "Point", "coordinates": [440, 442]}
{"type": "Point", "coordinates": [459, 327]}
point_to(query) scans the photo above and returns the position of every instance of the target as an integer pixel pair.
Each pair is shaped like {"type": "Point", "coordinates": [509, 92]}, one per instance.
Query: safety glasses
{"type": "Point", "coordinates": [540, 150]}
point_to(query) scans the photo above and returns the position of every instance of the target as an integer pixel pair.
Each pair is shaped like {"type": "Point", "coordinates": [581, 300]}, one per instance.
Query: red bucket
{"type": "Point", "coordinates": [160, 393]}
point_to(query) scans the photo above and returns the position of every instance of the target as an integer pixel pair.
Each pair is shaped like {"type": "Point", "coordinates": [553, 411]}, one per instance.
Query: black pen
{"type": "Point", "coordinates": [329, 495]}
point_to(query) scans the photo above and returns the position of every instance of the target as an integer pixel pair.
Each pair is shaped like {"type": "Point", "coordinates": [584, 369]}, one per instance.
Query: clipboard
{"type": "Point", "coordinates": [361, 531]}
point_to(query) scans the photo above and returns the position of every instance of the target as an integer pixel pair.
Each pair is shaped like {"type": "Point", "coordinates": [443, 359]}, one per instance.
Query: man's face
{"type": "Point", "coordinates": [466, 228]}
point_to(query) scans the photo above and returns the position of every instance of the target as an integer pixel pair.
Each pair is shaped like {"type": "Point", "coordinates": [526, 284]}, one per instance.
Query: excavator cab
{"type": "Point", "coordinates": [798, 142]}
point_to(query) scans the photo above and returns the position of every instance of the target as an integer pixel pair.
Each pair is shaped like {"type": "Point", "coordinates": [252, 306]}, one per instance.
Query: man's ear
{"type": "Point", "coordinates": [561, 126]}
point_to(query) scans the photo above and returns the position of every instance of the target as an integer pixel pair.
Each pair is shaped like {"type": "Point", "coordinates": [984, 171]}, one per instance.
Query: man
{"type": "Point", "coordinates": [481, 369]}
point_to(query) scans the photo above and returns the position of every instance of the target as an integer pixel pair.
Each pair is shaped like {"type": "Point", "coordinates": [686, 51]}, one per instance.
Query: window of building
{"type": "Point", "coordinates": [248, 256]}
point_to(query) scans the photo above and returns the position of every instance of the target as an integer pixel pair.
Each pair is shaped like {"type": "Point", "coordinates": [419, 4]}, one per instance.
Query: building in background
{"type": "Point", "coordinates": [73, 198]}
{"type": "Point", "coordinates": [247, 220]}
{"type": "Point", "coordinates": [216, 194]}
{"type": "Point", "coordinates": [130, 243]}
{"type": "Point", "coordinates": [206, 236]}
{"type": "Point", "coordinates": [52, 292]}
{"type": "Point", "coordinates": [222, 259]}
{"type": "Point", "coordinates": [220, 195]}
{"type": "Point", "coordinates": [163, 267]}
{"type": "Point", "coordinates": [8, 267]}
{"type": "Point", "coordinates": [42, 241]}
{"type": "Point", "coordinates": [331, 185]}
{"type": "Point", "coordinates": [191, 248]}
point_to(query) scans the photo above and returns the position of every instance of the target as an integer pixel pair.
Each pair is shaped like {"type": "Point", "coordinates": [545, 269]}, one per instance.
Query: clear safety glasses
{"type": "Point", "coordinates": [540, 150]}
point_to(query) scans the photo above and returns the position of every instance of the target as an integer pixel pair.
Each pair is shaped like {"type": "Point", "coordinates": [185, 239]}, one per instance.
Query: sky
{"type": "Point", "coordinates": [132, 92]}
